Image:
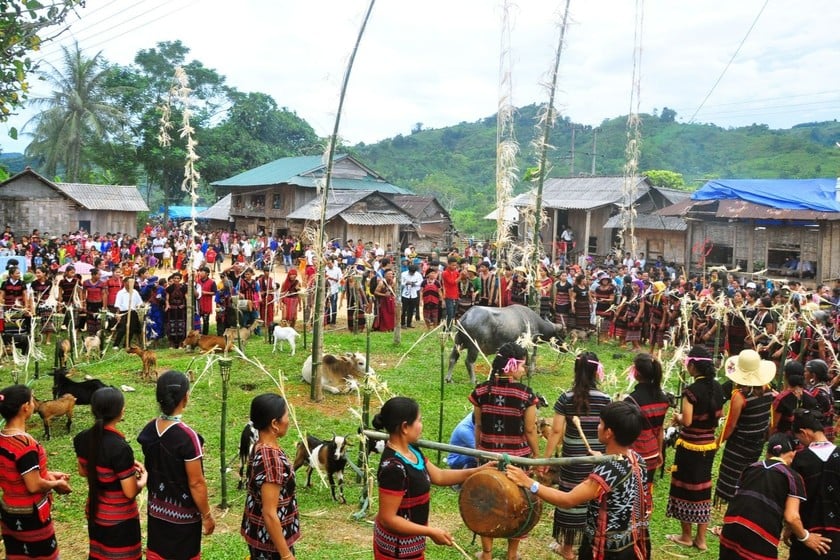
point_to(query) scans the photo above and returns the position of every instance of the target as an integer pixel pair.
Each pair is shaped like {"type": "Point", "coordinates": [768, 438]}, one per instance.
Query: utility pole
{"type": "Point", "coordinates": [572, 154]}
{"type": "Point", "coordinates": [594, 149]}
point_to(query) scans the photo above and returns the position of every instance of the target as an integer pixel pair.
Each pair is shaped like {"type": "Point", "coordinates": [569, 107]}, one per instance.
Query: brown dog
{"type": "Point", "coordinates": [149, 361]}
{"type": "Point", "coordinates": [207, 342]}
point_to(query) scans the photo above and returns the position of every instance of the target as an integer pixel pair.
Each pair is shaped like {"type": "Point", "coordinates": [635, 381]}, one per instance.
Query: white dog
{"type": "Point", "coordinates": [284, 333]}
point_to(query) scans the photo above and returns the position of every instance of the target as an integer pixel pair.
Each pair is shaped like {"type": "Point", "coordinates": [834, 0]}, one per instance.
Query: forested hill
{"type": "Point", "coordinates": [457, 163]}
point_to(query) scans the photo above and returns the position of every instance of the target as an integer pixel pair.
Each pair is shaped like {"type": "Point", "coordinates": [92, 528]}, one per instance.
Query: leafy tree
{"type": "Point", "coordinates": [664, 178]}
{"type": "Point", "coordinates": [668, 115]}
{"type": "Point", "coordinates": [23, 24]}
{"type": "Point", "coordinates": [255, 132]}
{"type": "Point", "coordinates": [76, 114]}
{"type": "Point", "coordinates": [145, 87]}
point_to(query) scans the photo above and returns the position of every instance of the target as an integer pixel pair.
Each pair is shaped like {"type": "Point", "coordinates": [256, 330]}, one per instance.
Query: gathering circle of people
{"type": "Point", "coordinates": [778, 473]}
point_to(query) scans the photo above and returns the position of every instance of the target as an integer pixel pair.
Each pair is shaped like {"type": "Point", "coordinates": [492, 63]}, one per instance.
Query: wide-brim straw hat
{"type": "Point", "coordinates": [748, 369]}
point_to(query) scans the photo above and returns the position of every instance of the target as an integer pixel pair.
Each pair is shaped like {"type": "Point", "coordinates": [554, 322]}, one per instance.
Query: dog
{"type": "Point", "coordinates": [284, 333]}
{"type": "Point", "coordinates": [208, 342]}
{"type": "Point", "coordinates": [149, 361]}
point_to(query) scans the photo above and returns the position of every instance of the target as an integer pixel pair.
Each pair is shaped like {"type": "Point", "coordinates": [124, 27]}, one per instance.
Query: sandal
{"type": "Point", "coordinates": [716, 530]}
{"type": "Point", "coordinates": [557, 549]}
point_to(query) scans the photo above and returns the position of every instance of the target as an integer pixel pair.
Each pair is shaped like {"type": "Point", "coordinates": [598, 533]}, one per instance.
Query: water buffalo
{"type": "Point", "coordinates": [488, 328]}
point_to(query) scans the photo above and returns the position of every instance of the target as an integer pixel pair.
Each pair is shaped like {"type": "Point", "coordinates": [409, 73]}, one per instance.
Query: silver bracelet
{"type": "Point", "coordinates": [805, 538]}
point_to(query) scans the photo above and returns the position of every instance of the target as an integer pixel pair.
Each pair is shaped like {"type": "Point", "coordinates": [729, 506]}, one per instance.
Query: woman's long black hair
{"type": "Point", "coordinates": [106, 404]}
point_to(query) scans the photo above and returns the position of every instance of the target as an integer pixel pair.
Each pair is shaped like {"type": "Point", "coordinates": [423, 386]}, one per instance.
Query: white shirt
{"type": "Point", "coordinates": [124, 299]}
{"type": "Point", "coordinates": [410, 284]}
{"type": "Point", "coordinates": [333, 274]}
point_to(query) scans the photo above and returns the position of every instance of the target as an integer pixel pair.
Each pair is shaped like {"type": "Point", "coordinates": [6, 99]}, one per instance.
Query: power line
{"type": "Point", "coordinates": [728, 64]}
{"type": "Point", "coordinates": [136, 27]}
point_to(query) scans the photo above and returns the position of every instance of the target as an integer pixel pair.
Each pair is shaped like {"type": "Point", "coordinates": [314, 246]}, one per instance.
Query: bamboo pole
{"type": "Point", "coordinates": [490, 456]}
{"type": "Point", "coordinates": [316, 393]}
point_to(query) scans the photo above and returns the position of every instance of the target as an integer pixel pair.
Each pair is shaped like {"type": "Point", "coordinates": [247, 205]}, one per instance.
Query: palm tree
{"type": "Point", "coordinates": [74, 115]}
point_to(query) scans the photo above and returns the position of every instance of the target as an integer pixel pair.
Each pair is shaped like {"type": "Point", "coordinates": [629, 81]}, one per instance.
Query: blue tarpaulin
{"type": "Point", "coordinates": [788, 194]}
{"type": "Point", "coordinates": [183, 212]}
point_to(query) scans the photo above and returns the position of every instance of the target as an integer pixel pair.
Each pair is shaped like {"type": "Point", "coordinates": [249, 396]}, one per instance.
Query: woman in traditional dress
{"type": "Point", "coordinates": [176, 310]}
{"type": "Point", "coordinates": [614, 494]}
{"type": "Point", "coordinates": [290, 296]}
{"type": "Point", "coordinates": [544, 286]}
{"type": "Point", "coordinates": [114, 481]}
{"type": "Point", "coordinates": [817, 379]}
{"type": "Point", "coordinates": [747, 423]}
{"type": "Point", "coordinates": [819, 466]}
{"type": "Point", "coordinates": [656, 305]}
{"type": "Point", "coordinates": [179, 508]}
{"type": "Point", "coordinates": [385, 303]}
{"type": "Point", "coordinates": [431, 292]}
{"type": "Point", "coordinates": [466, 292]}
{"type": "Point", "coordinates": [519, 286]}
{"type": "Point", "coordinates": [791, 397]}
{"type": "Point", "coordinates": [585, 402]}
{"type": "Point", "coordinates": [653, 403]}
{"type": "Point", "coordinates": [769, 493]}
{"type": "Point", "coordinates": [737, 330]}
{"type": "Point", "coordinates": [270, 522]}
{"type": "Point", "coordinates": [690, 496]}
{"type": "Point", "coordinates": [26, 504]}
{"type": "Point", "coordinates": [581, 303]}
{"type": "Point", "coordinates": [562, 300]}
{"type": "Point", "coordinates": [41, 289]}
{"type": "Point", "coordinates": [505, 414]}
{"type": "Point", "coordinates": [604, 295]}
{"type": "Point", "coordinates": [404, 478]}
{"type": "Point", "coordinates": [356, 301]}
{"type": "Point", "coordinates": [634, 315]}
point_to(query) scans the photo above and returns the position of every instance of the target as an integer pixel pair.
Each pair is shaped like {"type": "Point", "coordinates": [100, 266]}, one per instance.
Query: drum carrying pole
{"type": "Point", "coordinates": [490, 456]}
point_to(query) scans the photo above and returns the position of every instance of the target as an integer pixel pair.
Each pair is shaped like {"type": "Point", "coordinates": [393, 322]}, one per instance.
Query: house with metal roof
{"type": "Point", "coordinates": [592, 207]}
{"type": "Point", "coordinates": [363, 215]}
{"type": "Point", "coordinates": [281, 196]}
{"type": "Point", "coordinates": [431, 223]}
{"type": "Point", "coordinates": [764, 225]}
{"type": "Point", "coordinates": [263, 198]}
{"type": "Point", "coordinates": [29, 200]}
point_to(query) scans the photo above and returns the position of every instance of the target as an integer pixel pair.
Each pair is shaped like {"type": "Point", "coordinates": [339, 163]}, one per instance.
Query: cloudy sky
{"type": "Point", "coordinates": [436, 62]}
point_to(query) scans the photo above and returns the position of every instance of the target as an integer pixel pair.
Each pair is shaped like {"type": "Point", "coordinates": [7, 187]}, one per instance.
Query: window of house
{"type": "Point", "coordinates": [277, 202]}
{"type": "Point", "coordinates": [237, 201]}
{"type": "Point", "coordinates": [258, 201]}
{"type": "Point", "coordinates": [720, 254]}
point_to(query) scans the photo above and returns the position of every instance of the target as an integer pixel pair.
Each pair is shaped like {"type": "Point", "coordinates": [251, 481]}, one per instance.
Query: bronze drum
{"type": "Point", "coordinates": [493, 506]}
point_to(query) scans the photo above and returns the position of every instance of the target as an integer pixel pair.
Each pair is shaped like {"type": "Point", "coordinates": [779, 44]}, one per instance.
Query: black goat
{"type": "Point", "coordinates": [82, 390]}
{"type": "Point", "coordinates": [247, 440]}
{"type": "Point", "coordinates": [328, 456]}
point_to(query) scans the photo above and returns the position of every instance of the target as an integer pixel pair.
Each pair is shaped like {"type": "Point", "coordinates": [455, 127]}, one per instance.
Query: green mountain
{"type": "Point", "coordinates": [457, 163]}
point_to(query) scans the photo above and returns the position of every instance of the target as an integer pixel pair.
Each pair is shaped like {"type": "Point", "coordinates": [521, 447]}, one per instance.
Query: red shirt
{"type": "Point", "coordinates": [450, 282]}
{"type": "Point", "coordinates": [20, 455]}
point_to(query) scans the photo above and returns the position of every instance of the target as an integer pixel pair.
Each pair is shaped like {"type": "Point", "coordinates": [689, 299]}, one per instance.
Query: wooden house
{"type": "Point", "coordinates": [592, 207]}
{"type": "Point", "coordinates": [363, 215]}
{"type": "Point", "coordinates": [263, 198]}
{"type": "Point", "coordinates": [431, 226]}
{"type": "Point", "coordinates": [29, 200]}
{"type": "Point", "coordinates": [764, 225]}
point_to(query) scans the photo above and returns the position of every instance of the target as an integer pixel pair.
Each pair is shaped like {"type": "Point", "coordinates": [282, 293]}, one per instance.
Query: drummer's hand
{"type": "Point", "coordinates": [518, 476]}
{"type": "Point", "coordinates": [440, 536]}
{"type": "Point", "coordinates": [490, 465]}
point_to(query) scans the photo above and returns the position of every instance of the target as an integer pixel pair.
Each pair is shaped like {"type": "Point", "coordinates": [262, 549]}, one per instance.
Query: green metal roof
{"type": "Point", "coordinates": [305, 171]}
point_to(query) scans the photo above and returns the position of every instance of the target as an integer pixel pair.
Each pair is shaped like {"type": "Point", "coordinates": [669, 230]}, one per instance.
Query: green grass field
{"type": "Point", "coordinates": [412, 368]}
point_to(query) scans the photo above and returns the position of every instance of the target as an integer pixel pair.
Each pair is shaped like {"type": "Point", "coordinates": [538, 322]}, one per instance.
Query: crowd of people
{"type": "Point", "coordinates": [602, 509]}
